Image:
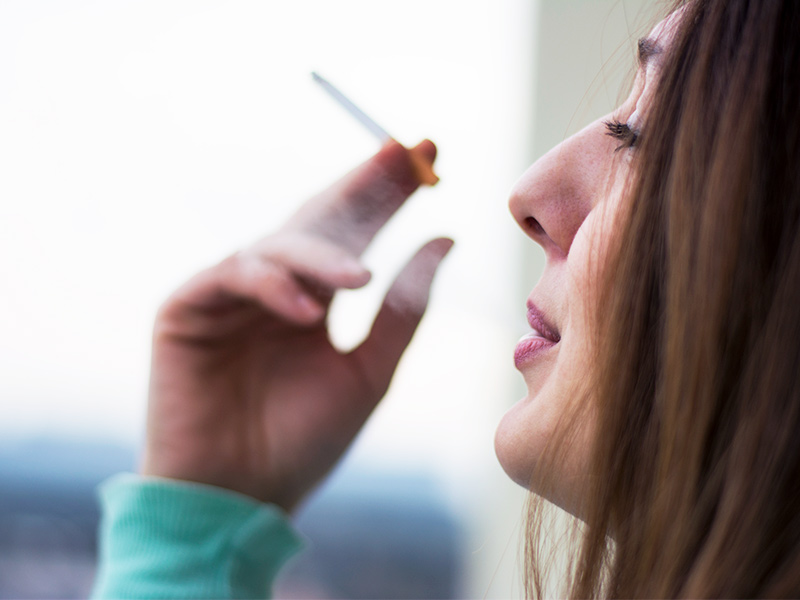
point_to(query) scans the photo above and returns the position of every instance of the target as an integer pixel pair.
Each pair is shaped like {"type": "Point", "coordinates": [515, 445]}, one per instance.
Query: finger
{"type": "Point", "coordinates": [277, 290]}
{"type": "Point", "coordinates": [243, 279]}
{"type": "Point", "coordinates": [351, 211]}
{"type": "Point", "coordinates": [401, 312]}
{"type": "Point", "coordinates": [319, 263]}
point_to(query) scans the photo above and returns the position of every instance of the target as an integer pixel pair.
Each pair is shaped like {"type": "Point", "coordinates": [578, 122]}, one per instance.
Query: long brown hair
{"type": "Point", "coordinates": [695, 470]}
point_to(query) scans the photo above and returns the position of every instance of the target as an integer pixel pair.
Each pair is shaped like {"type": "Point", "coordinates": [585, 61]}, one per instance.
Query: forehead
{"type": "Point", "coordinates": [660, 38]}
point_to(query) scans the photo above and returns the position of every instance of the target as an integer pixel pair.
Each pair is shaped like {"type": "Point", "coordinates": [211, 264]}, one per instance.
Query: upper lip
{"type": "Point", "coordinates": [539, 322]}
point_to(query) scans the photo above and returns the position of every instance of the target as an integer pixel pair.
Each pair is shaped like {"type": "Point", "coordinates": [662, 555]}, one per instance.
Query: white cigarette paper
{"type": "Point", "coordinates": [422, 165]}
{"type": "Point", "coordinates": [362, 117]}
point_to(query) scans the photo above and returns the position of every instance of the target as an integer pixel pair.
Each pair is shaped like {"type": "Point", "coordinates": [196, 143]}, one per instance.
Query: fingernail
{"type": "Point", "coordinates": [355, 271]}
{"type": "Point", "coordinates": [352, 267]}
{"type": "Point", "coordinates": [362, 278]}
{"type": "Point", "coordinates": [308, 307]}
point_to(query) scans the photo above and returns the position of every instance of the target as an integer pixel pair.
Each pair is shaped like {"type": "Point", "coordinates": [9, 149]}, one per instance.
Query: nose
{"type": "Point", "coordinates": [553, 197]}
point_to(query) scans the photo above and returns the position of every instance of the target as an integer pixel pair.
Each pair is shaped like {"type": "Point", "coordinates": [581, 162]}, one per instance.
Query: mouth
{"type": "Point", "coordinates": [542, 337]}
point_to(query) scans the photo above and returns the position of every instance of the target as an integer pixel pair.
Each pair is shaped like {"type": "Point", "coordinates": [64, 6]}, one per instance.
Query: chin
{"type": "Point", "coordinates": [525, 432]}
{"type": "Point", "coordinates": [515, 444]}
{"type": "Point", "coordinates": [520, 442]}
{"type": "Point", "coordinates": [525, 429]}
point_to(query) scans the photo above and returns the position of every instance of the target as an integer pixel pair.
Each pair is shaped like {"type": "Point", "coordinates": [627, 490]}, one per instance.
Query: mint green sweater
{"type": "Point", "coordinates": [162, 538]}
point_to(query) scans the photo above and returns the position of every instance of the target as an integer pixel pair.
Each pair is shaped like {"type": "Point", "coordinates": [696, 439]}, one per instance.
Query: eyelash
{"type": "Point", "coordinates": [620, 131]}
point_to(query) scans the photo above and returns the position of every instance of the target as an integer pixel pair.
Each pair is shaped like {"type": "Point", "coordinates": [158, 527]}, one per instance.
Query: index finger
{"type": "Point", "coordinates": [352, 210]}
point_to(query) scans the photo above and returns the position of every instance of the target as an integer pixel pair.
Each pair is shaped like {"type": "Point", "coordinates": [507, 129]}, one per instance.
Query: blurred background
{"type": "Point", "coordinates": [143, 140]}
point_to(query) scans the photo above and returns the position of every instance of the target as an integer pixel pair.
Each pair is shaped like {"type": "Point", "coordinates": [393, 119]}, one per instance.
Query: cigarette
{"type": "Point", "coordinates": [422, 166]}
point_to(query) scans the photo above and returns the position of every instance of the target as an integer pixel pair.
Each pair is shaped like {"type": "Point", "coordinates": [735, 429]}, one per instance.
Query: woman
{"type": "Point", "coordinates": [680, 288]}
{"type": "Point", "coordinates": [662, 366]}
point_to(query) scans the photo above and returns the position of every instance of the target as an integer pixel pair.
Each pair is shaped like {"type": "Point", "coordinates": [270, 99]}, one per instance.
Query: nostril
{"type": "Point", "coordinates": [533, 225]}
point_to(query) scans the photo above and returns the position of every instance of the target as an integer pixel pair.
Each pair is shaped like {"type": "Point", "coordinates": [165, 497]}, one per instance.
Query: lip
{"type": "Point", "coordinates": [538, 322]}
{"type": "Point", "coordinates": [539, 340]}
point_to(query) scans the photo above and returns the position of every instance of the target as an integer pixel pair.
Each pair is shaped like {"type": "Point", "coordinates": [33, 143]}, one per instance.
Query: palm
{"type": "Point", "coordinates": [282, 386]}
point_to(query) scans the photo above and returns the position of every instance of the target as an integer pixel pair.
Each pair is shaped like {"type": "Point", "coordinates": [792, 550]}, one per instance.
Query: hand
{"type": "Point", "coordinates": [246, 390]}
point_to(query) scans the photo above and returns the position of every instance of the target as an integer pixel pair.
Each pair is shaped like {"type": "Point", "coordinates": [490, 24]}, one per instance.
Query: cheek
{"type": "Point", "coordinates": [581, 281]}
{"type": "Point", "coordinates": [588, 260]}
{"type": "Point", "coordinates": [587, 266]}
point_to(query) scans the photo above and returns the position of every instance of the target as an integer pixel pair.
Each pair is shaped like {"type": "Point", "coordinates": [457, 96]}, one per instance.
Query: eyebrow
{"type": "Point", "coordinates": [647, 49]}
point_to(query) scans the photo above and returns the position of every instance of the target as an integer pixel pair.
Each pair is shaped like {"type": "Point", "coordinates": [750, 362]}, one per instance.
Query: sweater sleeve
{"type": "Point", "coordinates": [163, 538]}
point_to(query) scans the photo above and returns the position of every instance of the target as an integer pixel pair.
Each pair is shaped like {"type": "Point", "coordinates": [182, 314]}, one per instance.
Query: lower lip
{"type": "Point", "coordinates": [529, 348]}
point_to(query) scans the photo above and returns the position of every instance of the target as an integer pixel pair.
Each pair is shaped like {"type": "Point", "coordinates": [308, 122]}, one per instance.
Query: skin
{"type": "Point", "coordinates": [246, 391]}
{"type": "Point", "coordinates": [568, 203]}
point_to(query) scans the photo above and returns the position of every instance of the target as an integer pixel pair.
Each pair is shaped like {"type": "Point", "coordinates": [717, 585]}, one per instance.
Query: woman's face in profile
{"type": "Point", "coordinates": [567, 203]}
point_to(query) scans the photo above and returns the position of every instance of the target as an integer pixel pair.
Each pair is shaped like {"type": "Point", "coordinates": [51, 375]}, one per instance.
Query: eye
{"type": "Point", "coordinates": [623, 133]}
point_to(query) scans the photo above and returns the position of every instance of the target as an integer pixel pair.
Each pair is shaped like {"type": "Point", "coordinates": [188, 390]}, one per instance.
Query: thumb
{"type": "Point", "coordinates": [401, 312]}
